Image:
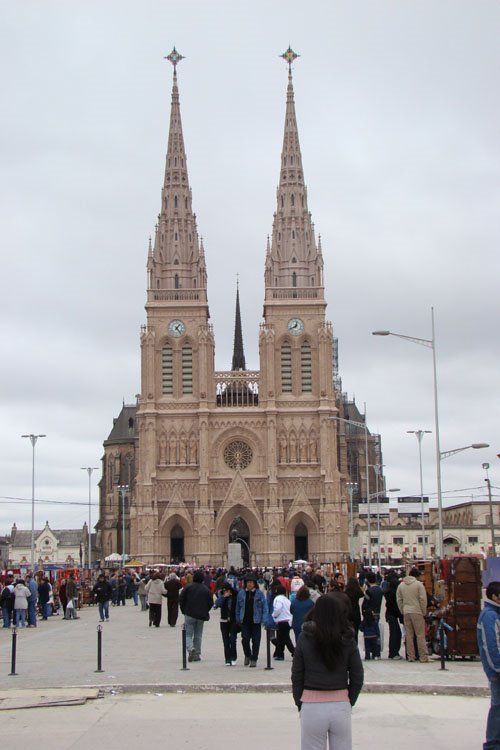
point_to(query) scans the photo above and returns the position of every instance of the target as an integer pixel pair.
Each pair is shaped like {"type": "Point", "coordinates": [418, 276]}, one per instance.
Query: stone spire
{"type": "Point", "coordinates": [238, 353]}
{"type": "Point", "coordinates": [293, 260]}
{"type": "Point", "coordinates": [177, 261]}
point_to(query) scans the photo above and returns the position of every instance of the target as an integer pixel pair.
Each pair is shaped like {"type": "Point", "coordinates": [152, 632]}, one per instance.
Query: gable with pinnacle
{"type": "Point", "coordinates": [301, 506]}
{"type": "Point", "coordinates": [238, 495]}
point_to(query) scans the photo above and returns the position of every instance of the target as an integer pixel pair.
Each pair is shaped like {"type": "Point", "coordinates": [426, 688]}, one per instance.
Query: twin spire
{"type": "Point", "coordinates": [176, 258]}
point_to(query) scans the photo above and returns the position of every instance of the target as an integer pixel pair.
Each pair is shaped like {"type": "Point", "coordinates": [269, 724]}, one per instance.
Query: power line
{"type": "Point", "coordinates": [5, 499]}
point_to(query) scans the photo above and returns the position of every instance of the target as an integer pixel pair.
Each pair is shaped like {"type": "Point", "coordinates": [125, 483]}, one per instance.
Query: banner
{"type": "Point", "coordinates": [412, 506]}
{"type": "Point", "coordinates": [378, 507]}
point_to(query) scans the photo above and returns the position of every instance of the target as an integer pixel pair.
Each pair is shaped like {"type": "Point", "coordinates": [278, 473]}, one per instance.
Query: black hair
{"type": "Point", "coordinates": [332, 628]}
{"type": "Point", "coordinates": [279, 590]}
{"type": "Point", "coordinates": [352, 587]}
{"type": "Point", "coordinates": [371, 577]}
{"type": "Point", "coordinates": [493, 589]}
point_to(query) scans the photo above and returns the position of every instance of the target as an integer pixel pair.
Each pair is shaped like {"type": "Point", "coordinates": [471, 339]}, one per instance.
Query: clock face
{"type": "Point", "coordinates": [295, 326]}
{"type": "Point", "coordinates": [176, 327]}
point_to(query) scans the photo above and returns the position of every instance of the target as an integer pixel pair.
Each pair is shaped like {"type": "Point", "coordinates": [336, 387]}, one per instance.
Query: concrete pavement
{"type": "Point", "coordinates": [138, 658]}
{"type": "Point", "coordinates": [270, 722]}
{"type": "Point", "coordinates": [147, 698]}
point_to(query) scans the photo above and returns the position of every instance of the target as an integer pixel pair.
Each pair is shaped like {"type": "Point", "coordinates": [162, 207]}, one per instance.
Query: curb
{"type": "Point", "coordinates": [373, 688]}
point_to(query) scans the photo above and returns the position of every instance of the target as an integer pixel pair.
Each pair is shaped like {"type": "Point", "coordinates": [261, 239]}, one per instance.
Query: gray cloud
{"type": "Point", "coordinates": [398, 112]}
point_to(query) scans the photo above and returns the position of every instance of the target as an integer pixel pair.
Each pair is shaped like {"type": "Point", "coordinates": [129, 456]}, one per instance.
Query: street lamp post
{"type": "Point", "coordinates": [430, 343]}
{"type": "Point", "coordinates": [365, 427]}
{"type": "Point", "coordinates": [89, 470]}
{"type": "Point", "coordinates": [377, 468]}
{"type": "Point", "coordinates": [123, 489]}
{"type": "Point", "coordinates": [492, 523]}
{"type": "Point", "coordinates": [33, 439]}
{"type": "Point", "coordinates": [242, 541]}
{"type": "Point", "coordinates": [447, 454]}
{"type": "Point", "coordinates": [351, 487]}
{"type": "Point", "coordinates": [419, 434]}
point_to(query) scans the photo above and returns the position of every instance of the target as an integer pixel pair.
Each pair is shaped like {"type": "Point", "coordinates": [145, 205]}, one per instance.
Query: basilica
{"type": "Point", "coordinates": [208, 459]}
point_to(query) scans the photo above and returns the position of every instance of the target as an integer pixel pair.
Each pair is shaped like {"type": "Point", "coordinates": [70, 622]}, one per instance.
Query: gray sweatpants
{"type": "Point", "coordinates": [319, 721]}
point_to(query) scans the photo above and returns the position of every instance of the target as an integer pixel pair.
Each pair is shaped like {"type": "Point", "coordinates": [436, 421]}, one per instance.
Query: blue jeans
{"type": "Point", "coordinates": [20, 617]}
{"type": "Point", "coordinates": [32, 613]}
{"type": "Point", "coordinates": [194, 632]}
{"type": "Point", "coordinates": [6, 616]}
{"type": "Point", "coordinates": [229, 637]}
{"type": "Point", "coordinates": [104, 610]}
{"type": "Point", "coordinates": [493, 723]}
{"type": "Point", "coordinates": [251, 632]}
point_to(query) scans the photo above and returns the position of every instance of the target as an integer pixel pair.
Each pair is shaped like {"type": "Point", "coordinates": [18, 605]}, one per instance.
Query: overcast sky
{"type": "Point", "coordinates": [398, 110]}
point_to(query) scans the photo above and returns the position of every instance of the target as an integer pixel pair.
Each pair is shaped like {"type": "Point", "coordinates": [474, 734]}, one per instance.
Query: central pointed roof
{"type": "Point", "coordinates": [238, 353]}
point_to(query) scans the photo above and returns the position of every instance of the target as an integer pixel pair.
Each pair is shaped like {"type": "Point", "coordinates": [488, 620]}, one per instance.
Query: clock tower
{"type": "Point", "coordinates": [209, 458]}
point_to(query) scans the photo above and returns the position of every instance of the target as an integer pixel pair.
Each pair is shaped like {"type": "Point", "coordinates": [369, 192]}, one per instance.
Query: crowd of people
{"type": "Point", "coordinates": [324, 613]}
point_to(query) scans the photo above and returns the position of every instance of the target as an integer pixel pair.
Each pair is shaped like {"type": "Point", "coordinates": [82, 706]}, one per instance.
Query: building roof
{"type": "Point", "coordinates": [124, 426]}
{"type": "Point", "coordinates": [65, 537]}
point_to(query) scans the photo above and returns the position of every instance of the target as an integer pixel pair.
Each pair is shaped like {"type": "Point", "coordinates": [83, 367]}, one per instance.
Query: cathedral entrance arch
{"type": "Point", "coordinates": [240, 533]}
{"type": "Point", "coordinates": [301, 542]}
{"type": "Point", "coordinates": [177, 544]}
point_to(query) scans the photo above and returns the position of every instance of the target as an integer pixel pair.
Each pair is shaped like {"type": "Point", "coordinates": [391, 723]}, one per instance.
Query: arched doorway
{"type": "Point", "coordinates": [240, 533]}
{"type": "Point", "coordinates": [301, 546]}
{"type": "Point", "coordinates": [451, 546]}
{"type": "Point", "coordinates": [177, 544]}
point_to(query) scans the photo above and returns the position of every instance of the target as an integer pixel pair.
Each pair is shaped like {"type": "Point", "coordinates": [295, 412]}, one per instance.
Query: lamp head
{"type": "Point", "coordinates": [381, 333]}
{"type": "Point", "coordinates": [486, 467]}
{"type": "Point", "coordinates": [480, 445]}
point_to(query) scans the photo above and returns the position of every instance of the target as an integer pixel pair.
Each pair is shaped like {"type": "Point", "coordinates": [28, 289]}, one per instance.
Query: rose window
{"type": "Point", "coordinates": [238, 455]}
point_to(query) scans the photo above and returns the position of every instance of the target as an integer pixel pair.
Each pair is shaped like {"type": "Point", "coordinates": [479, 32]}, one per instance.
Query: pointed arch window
{"type": "Point", "coordinates": [293, 234]}
{"type": "Point", "coordinates": [176, 281]}
{"type": "Point", "coordinates": [292, 198]}
{"type": "Point", "coordinates": [294, 279]}
{"type": "Point", "coordinates": [306, 367]}
{"type": "Point", "coordinates": [176, 201]}
{"type": "Point", "coordinates": [282, 202]}
{"type": "Point", "coordinates": [187, 369]}
{"type": "Point", "coordinates": [167, 371]}
{"type": "Point", "coordinates": [286, 368]}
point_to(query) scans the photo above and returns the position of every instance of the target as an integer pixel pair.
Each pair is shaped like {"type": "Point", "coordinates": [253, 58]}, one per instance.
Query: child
{"type": "Point", "coordinates": [371, 632]}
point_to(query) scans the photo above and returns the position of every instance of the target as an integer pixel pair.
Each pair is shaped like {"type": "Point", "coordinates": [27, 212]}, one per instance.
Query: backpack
{"type": "Point", "coordinates": [6, 597]}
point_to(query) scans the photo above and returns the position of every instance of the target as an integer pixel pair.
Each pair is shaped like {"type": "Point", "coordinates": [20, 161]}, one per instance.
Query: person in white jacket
{"type": "Point", "coordinates": [283, 619]}
{"type": "Point", "coordinates": [21, 594]}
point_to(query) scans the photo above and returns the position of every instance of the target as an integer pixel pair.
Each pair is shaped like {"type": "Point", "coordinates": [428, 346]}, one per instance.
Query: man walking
{"type": "Point", "coordinates": [251, 614]}
{"type": "Point", "coordinates": [488, 635]}
{"type": "Point", "coordinates": [103, 593]}
{"type": "Point", "coordinates": [195, 602]}
{"type": "Point", "coordinates": [411, 599]}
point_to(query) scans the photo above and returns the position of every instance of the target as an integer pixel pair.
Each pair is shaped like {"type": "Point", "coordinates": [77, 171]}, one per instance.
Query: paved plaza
{"type": "Point", "coordinates": [148, 697]}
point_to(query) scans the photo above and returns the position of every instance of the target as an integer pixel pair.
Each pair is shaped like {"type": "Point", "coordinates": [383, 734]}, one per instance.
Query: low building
{"type": "Point", "coordinates": [396, 537]}
{"type": "Point", "coordinates": [52, 547]}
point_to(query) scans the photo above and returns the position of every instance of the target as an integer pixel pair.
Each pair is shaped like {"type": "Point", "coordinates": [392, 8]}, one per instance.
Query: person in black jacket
{"type": "Point", "coordinates": [195, 603]}
{"type": "Point", "coordinates": [228, 626]}
{"type": "Point", "coordinates": [393, 617]}
{"type": "Point", "coordinates": [103, 593]}
{"type": "Point", "coordinates": [173, 586]}
{"type": "Point", "coordinates": [327, 676]}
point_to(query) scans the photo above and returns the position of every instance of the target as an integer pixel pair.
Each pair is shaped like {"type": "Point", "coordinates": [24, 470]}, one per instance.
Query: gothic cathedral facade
{"type": "Point", "coordinates": [206, 457]}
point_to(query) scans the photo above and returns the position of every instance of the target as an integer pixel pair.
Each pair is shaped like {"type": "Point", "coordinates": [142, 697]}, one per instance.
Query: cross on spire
{"type": "Point", "coordinates": [289, 56]}
{"type": "Point", "coordinates": [174, 57]}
